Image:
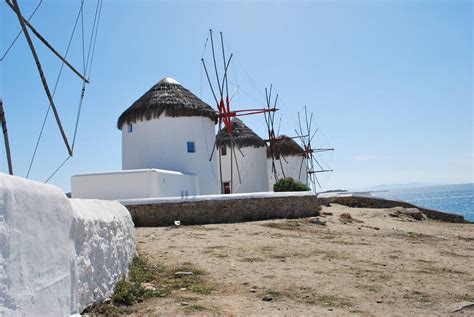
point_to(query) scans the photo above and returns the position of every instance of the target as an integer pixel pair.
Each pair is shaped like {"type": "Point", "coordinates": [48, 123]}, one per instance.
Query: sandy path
{"type": "Point", "coordinates": [379, 266]}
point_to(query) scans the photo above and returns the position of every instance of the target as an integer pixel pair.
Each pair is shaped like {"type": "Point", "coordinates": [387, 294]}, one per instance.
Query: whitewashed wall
{"type": "Point", "coordinates": [131, 184]}
{"type": "Point", "coordinates": [57, 255]}
{"type": "Point", "coordinates": [162, 143]}
{"type": "Point", "coordinates": [288, 168]}
{"type": "Point", "coordinates": [252, 166]}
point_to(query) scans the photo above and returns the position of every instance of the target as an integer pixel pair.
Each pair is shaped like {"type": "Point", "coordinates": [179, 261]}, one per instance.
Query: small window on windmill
{"type": "Point", "coordinates": [130, 127]}
{"type": "Point", "coordinates": [191, 147]}
{"type": "Point", "coordinates": [277, 156]}
{"type": "Point", "coordinates": [223, 150]}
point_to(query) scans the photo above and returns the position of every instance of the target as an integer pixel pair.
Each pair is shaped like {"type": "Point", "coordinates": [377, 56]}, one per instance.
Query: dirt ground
{"type": "Point", "coordinates": [370, 265]}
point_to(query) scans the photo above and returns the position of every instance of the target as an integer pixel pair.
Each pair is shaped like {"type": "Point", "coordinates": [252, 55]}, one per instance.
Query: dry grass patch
{"type": "Point", "coordinates": [252, 259]}
{"type": "Point", "coordinates": [346, 217]}
{"type": "Point", "coordinates": [195, 308]}
{"type": "Point", "coordinates": [329, 300]}
{"type": "Point", "coordinates": [214, 247]}
{"type": "Point", "coordinates": [324, 300]}
{"type": "Point", "coordinates": [147, 281]}
{"type": "Point", "coordinates": [331, 255]}
{"type": "Point", "coordinates": [286, 225]}
{"type": "Point", "coordinates": [369, 287]}
{"type": "Point", "coordinates": [204, 228]}
{"type": "Point", "coordinates": [418, 296]}
{"type": "Point", "coordinates": [310, 296]}
{"type": "Point", "coordinates": [454, 254]}
{"type": "Point", "coordinates": [214, 251]}
{"type": "Point", "coordinates": [437, 270]}
{"type": "Point", "coordinates": [184, 298]}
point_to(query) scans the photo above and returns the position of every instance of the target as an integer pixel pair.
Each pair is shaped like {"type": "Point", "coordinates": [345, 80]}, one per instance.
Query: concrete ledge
{"type": "Point", "coordinates": [150, 201]}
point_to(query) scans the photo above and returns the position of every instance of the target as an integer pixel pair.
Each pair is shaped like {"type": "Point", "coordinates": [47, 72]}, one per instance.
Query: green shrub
{"type": "Point", "coordinates": [141, 271]}
{"type": "Point", "coordinates": [128, 291]}
{"type": "Point", "coordinates": [288, 184]}
{"type": "Point", "coordinates": [124, 293]}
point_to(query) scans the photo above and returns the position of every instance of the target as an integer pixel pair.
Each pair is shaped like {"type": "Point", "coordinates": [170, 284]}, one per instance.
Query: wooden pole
{"type": "Point", "coordinates": [5, 137]}
{"type": "Point", "coordinates": [231, 168]}
{"type": "Point", "coordinates": [234, 143]}
{"type": "Point", "coordinates": [42, 39]}
{"type": "Point", "coordinates": [215, 65]}
{"type": "Point", "coordinates": [41, 73]}
{"type": "Point", "coordinates": [220, 170]}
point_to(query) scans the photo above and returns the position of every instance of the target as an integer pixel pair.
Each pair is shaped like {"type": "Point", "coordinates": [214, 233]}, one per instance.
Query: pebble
{"type": "Point", "coordinates": [184, 303]}
{"type": "Point", "coordinates": [267, 298]}
{"type": "Point", "coordinates": [182, 273]}
{"type": "Point", "coordinates": [318, 221]}
{"type": "Point", "coordinates": [379, 301]}
{"type": "Point", "coordinates": [253, 290]}
{"type": "Point", "coordinates": [89, 307]}
{"type": "Point", "coordinates": [148, 286]}
{"type": "Point", "coordinates": [460, 306]}
{"type": "Point", "coordinates": [183, 289]}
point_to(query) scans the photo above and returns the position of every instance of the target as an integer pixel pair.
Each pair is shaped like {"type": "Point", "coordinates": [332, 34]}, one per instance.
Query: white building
{"type": "Point", "coordinates": [168, 130]}
{"type": "Point", "coordinates": [285, 159]}
{"type": "Point", "coordinates": [137, 183]}
{"type": "Point", "coordinates": [249, 161]}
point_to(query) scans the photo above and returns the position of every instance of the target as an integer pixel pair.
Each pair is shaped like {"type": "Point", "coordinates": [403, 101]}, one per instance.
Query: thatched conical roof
{"type": "Point", "coordinates": [285, 146]}
{"type": "Point", "coordinates": [168, 97]}
{"type": "Point", "coordinates": [243, 136]}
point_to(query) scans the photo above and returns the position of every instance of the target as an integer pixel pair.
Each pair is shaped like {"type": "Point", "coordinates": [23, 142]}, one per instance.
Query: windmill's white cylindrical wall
{"type": "Point", "coordinates": [252, 166]}
{"type": "Point", "coordinates": [163, 143]}
{"type": "Point", "coordinates": [290, 166]}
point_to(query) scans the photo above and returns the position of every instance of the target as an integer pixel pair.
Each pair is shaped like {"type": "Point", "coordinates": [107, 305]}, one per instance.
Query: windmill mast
{"type": "Point", "coordinates": [313, 166]}
{"type": "Point", "coordinates": [269, 120]}
{"type": "Point", "coordinates": [5, 137]}
{"type": "Point", "coordinates": [26, 27]}
{"type": "Point", "coordinates": [16, 8]}
{"type": "Point", "coordinates": [225, 114]}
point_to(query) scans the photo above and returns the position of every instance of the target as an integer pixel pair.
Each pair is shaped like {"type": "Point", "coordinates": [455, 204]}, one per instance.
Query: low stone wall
{"type": "Point", "coordinates": [207, 211]}
{"type": "Point", "coordinates": [373, 202]}
{"type": "Point", "coordinates": [223, 211]}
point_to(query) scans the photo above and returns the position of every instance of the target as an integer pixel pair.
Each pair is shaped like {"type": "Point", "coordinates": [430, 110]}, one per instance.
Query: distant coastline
{"type": "Point", "coordinates": [458, 198]}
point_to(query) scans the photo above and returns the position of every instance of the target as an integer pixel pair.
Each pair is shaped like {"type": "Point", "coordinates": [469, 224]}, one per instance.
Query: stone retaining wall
{"type": "Point", "coordinates": [223, 211]}
{"type": "Point", "coordinates": [372, 202]}
{"type": "Point", "coordinates": [261, 208]}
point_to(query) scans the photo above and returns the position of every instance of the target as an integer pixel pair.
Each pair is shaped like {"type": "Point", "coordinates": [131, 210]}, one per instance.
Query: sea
{"type": "Point", "coordinates": [458, 199]}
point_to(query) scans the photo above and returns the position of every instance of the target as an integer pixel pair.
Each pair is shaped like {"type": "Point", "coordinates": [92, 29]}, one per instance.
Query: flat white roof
{"type": "Point", "coordinates": [154, 170]}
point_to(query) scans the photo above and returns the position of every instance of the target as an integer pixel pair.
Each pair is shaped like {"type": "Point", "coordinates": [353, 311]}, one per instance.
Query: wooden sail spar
{"type": "Point", "coordinates": [306, 135]}
{"type": "Point", "coordinates": [26, 27]}
{"type": "Point", "coordinates": [220, 93]}
{"type": "Point", "coordinates": [3, 121]}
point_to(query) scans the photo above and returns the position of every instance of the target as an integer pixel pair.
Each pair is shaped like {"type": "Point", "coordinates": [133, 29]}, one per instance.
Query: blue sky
{"type": "Point", "coordinates": [390, 82]}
